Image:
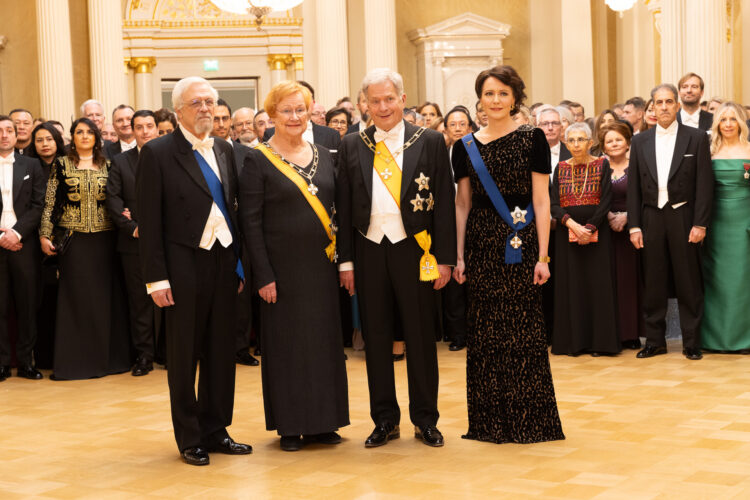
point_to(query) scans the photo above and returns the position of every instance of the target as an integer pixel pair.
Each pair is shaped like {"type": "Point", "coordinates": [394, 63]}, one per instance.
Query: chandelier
{"type": "Point", "coordinates": [620, 5]}
{"type": "Point", "coordinates": [257, 8]}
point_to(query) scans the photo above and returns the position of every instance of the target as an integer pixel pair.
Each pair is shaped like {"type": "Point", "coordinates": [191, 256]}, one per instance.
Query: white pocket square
{"type": "Point", "coordinates": [26, 177]}
{"type": "Point", "coordinates": [688, 155]}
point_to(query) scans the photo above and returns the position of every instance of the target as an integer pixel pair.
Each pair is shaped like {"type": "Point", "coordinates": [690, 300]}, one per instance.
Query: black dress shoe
{"type": "Point", "coordinates": [399, 357]}
{"type": "Point", "coordinates": [243, 357]}
{"type": "Point", "coordinates": [228, 446]}
{"type": "Point", "coordinates": [256, 352]}
{"type": "Point", "coordinates": [142, 366]}
{"type": "Point", "coordinates": [195, 456]}
{"type": "Point", "coordinates": [4, 372]}
{"type": "Point", "coordinates": [325, 438]}
{"type": "Point", "coordinates": [291, 443]}
{"type": "Point", "coordinates": [383, 433]}
{"type": "Point", "coordinates": [429, 434]}
{"type": "Point", "coordinates": [692, 353]}
{"type": "Point", "coordinates": [29, 372]}
{"type": "Point", "coordinates": [457, 345]}
{"type": "Point", "coordinates": [631, 344]}
{"type": "Point", "coordinates": [651, 350]}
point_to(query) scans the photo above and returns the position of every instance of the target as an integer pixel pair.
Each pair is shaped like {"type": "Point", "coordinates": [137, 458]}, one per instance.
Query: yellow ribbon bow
{"type": "Point", "coordinates": [428, 266]}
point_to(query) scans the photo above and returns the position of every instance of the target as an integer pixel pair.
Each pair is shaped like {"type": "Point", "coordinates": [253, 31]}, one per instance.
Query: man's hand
{"type": "Point", "coordinates": [10, 241]}
{"type": "Point", "coordinates": [163, 298]}
{"type": "Point", "coordinates": [697, 234]}
{"type": "Point", "coordinates": [135, 233]}
{"type": "Point", "coordinates": [636, 238]}
{"type": "Point", "coordinates": [240, 287]}
{"type": "Point", "coordinates": [268, 293]}
{"type": "Point", "coordinates": [445, 276]}
{"type": "Point", "coordinates": [346, 280]}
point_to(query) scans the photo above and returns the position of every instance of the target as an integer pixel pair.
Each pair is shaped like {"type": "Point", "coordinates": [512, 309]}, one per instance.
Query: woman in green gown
{"type": "Point", "coordinates": [726, 267]}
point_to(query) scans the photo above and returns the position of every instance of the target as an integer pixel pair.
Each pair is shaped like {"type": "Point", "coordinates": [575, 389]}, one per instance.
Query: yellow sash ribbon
{"type": "Point", "coordinates": [313, 200]}
{"type": "Point", "coordinates": [428, 266]}
{"type": "Point", "coordinates": [391, 176]}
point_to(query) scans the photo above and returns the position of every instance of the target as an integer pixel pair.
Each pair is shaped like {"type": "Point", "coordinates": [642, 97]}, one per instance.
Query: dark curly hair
{"type": "Point", "coordinates": [99, 159]}
{"type": "Point", "coordinates": [508, 76]}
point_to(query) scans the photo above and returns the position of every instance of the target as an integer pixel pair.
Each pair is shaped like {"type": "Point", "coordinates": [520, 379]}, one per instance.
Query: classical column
{"type": "Point", "coordinates": [144, 81]}
{"type": "Point", "coordinates": [577, 53]}
{"type": "Point", "coordinates": [333, 51]}
{"type": "Point", "coordinates": [55, 60]}
{"type": "Point", "coordinates": [105, 40]}
{"type": "Point", "coordinates": [299, 66]}
{"type": "Point", "coordinates": [707, 47]}
{"type": "Point", "coordinates": [380, 34]}
{"type": "Point", "coordinates": [278, 64]}
{"type": "Point", "coordinates": [673, 48]}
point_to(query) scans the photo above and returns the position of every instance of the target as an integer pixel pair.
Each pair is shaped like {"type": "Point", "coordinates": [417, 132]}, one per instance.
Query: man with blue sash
{"type": "Point", "coordinates": [189, 247]}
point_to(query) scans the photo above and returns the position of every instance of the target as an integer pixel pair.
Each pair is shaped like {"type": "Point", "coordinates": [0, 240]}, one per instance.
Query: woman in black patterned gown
{"type": "Point", "coordinates": [508, 380]}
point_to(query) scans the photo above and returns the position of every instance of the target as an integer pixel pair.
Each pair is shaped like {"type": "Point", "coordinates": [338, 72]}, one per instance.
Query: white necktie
{"type": "Point", "coordinates": [204, 146]}
{"type": "Point", "coordinates": [382, 135]}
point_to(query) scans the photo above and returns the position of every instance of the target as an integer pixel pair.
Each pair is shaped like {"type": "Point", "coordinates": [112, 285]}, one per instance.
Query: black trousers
{"type": "Point", "coordinates": [244, 318]}
{"type": "Point", "coordinates": [20, 279]}
{"type": "Point", "coordinates": [388, 274]}
{"type": "Point", "coordinates": [140, 305]}
{"type": "Point", "coordinates": [665, 249]}
{"type": "Point", "coordinates": [200, 329]}
{"type": "Point", "coordinates": [454, 311]}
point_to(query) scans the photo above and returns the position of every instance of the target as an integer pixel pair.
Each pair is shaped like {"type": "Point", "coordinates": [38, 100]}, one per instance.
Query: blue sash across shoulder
{"type": "Point", "coordinates": [513, 244]}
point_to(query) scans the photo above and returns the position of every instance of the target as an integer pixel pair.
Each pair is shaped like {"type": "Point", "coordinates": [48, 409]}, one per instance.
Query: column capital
{"type": "Point", "coordinates": [279, 61]}
{"type": "Point", "coordinates": [299, 63]}
{"type": "Point", "coordinates": [141, 64]}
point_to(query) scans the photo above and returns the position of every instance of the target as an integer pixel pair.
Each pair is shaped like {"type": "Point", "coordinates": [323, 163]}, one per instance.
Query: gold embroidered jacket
{"type": "Point", "coordinates": [75, 199]}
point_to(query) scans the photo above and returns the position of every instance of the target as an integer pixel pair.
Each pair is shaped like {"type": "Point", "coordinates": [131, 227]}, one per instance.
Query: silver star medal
{"type": "Point", "coordinates": [313, 189]}
{"type": "Point", "coordinates": [418, 202]}
{"type": "Point", "coordinates": [518, 215]}
{"type": "Point", "coordinates": [430, 203]}
{"type": "Point", "coordinates": [422, 181]}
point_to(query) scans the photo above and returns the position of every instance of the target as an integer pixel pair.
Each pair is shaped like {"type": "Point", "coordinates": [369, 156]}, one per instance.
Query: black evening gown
{"type": "Point", "coordinates": [303, 368]}
{"type": "Point", "coordinates": [585, 313]}
{"type": "Point", "coordinates": [511, 397]}
{"type": "Point", "coordinates": [627, 265]}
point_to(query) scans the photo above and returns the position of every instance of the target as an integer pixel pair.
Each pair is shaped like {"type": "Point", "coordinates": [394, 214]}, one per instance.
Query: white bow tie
{"type": "Point", "coordinates": [665, 132]}
{"type": "Point", "coordinates": [7, 161]}
{"type": "Point", "coordinates": [382, 135]}
{"type": "Point", "coordinates": [204, 145]}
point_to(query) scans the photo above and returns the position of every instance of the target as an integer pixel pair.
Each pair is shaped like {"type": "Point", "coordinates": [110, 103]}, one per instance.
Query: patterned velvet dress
{"type": "Point", "coordinates": [509, 387]}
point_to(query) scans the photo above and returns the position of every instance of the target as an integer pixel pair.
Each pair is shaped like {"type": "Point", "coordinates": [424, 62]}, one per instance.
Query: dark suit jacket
{"type": "Point", "coordinates": [121, 194]}
{"type": "Point", "coordinates": [691, 177]}
{"type": "Point", "coordinates": [705, 120]}
{"type": "Point", "coordinates": [174, 200]}
{"type": "Point", "coordinates": [353, 129]}
{"type": "Point", "coordinates": [564, 153]}
{"type": "Point", "coordinates": [29, 188]}
{"type": "Point", "coordinates": [240, 153]}
{"type": "Point", "coordinates": [428, 155]}
{"type": "Point", "coordinates": [113, 149]}
{"type": "Point", "coordinates": [322, 136]}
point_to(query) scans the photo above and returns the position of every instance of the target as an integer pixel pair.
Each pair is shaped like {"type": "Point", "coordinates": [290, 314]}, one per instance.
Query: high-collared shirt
{"type": "Point", "coordinates": [216, 227]}
{"type": "Point", "coordinates": [127, 146]}
{"type": "Point", "coordinates": [691, 120]}
{"type": "Point", "coordinates": [554, 152]}
{"type": "Point", "coordinates": [308, 133]}
{"type": "Point", "coordinates": [385, 215]}
{"type": "Point", "coordinates": [665, 141]}
{"type": "Point", "coordinates": [8, 218]}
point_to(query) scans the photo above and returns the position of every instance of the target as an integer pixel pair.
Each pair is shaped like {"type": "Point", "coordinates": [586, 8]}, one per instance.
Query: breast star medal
{"type": "Point", "coordinates": [430, 203]}
{"type": "Point", "coordinates": [518, 215]}
{"type": "Point", "coordinates": [422, 181]}
{"type": "Point", "coordinates": [418, 202]}
{"type": "Point", "coordinates": [516, 242]}
{"type": "Point", "coordinates": [313, 189]}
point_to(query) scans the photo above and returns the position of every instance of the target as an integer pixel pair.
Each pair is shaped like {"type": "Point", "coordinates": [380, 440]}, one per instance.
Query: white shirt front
{"type": "Point", "coordinates": [127, 146]}
{"type": "Point", "coordinates": [691, 120]}
{"type": "Point", "coordinates": [216, 225]}
{"type": "Point", "coordinates": [308, 133]}
{"type": "Point", "coordinates": [554, 152]}
{"type": "Point", "coordinates": [385, 215]}
{"type": "Point", "coordinates": [8, 218]}
{"type": "Point", "coordinates": [665, 141]}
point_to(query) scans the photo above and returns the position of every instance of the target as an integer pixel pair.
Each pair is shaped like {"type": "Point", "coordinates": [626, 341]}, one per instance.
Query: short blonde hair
{"type": "Point", "coordinates": [739, 113]}
{"type": "Point", "coordinates": [281, 91]}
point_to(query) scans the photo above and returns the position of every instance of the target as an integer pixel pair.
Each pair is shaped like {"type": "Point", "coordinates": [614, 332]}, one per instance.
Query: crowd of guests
{"type": "Point", "coordinates": [193, 234]}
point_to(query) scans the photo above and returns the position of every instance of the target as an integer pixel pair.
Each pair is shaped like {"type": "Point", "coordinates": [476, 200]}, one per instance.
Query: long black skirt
{"type": "Point", "coordinates": [91, 338]}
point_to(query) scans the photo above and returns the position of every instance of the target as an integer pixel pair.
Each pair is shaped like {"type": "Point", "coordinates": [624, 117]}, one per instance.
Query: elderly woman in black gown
{"type": "Point", "coordinates": [502, 222]}
{"type": "Point", "coordinates": [287, 195]}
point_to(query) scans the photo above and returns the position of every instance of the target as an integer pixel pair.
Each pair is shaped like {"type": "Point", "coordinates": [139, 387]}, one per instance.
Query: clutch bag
{"type": "Point", "coordinates": [61, 237]}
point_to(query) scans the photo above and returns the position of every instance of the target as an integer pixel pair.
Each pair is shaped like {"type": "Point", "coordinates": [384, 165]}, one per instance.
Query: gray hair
{"type": "Point", "coordinates": [565, 113]}
{"type": "Point", "coordinates": [547, 109]}
{"type": "Point", "coordinates": [382, 75]}
{"type": "Point", "coordinates": [667, 86]}
{"type": "Point", "coordinates": [89, 102]}
{"type": "Point", "coordinates": [245, 108]}
{"type": "Point", "coordinates": [576, 127]}
{"type": "Point", "coordinates": [184, 84]}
